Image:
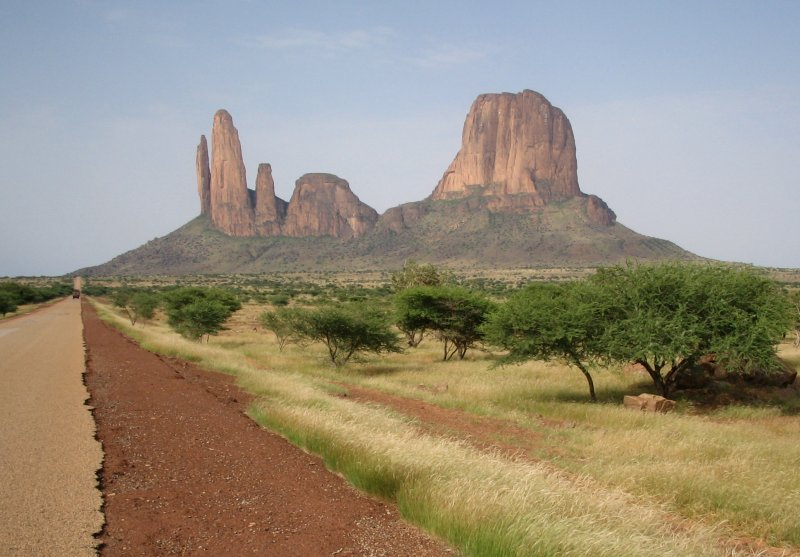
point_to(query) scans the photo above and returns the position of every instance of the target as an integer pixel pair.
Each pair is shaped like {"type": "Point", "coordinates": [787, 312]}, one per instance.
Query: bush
{"type": "Point", "coordinates": [8, 303]}
{"type": "Point", "coordinates": [196, 312]}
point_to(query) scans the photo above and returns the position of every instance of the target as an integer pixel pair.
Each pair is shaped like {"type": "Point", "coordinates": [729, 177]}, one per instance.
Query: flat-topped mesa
{"type": "Point", "coordinates": [231, 204]}
{"type": "Point", "coordinates": [323, 205]}
{"type": "Point", "coordinates": [519, 150]}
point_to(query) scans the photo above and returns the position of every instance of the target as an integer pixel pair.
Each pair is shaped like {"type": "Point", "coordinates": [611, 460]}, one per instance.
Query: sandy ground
{"type": "Point", "coordinates": [50, 504]}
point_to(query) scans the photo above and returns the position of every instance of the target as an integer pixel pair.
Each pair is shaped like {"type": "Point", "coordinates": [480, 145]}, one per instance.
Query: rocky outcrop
{"type": "Point", "coordinates": [323, 205]}
{"type": "Point", "coordinates": [203, 177]}
{"type": "Point", "coordinates": [518, 150]}
{"type": "Point", "coordinates": [270, 211]}
{"type": "Point", "coordinates": [517, 156]}
{"type": "Point", "coordinates": [231, 203]}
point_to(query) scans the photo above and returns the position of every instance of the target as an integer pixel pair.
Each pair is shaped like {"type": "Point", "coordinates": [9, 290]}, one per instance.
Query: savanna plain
{"type": "Point", "coordinates": [505, 460]}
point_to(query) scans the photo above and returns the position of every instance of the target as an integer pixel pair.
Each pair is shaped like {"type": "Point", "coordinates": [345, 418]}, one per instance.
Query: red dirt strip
{"type": "Point", "coordinates": [187, 473]}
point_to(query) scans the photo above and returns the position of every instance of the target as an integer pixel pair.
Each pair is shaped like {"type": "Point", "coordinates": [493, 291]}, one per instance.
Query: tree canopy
{"type": "Point", "coordinates": [196, 312]}
{"type": "Point", "coordinates": [546, 321]}
{"type": "Point", "coordinates": [666, 317]}
{"type": "Point", "coordinates": [454, 314]}
{"type": "Point", "coordinates": [346, 330]}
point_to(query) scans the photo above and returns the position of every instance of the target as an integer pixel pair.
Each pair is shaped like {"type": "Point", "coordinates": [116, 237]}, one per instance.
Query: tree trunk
{"type": "Point", "coordinates": [586, 374]}
{"type": "Point", "coordinates": [655, 375]}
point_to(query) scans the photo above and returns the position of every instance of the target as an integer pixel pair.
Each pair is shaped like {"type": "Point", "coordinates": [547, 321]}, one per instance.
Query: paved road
{"type": "Point", "coordinates": [49, 502]}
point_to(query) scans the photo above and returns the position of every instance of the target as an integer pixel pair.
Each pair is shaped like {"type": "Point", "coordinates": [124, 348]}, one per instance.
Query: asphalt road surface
{"type": "Point", "coordinates": [49, 501]}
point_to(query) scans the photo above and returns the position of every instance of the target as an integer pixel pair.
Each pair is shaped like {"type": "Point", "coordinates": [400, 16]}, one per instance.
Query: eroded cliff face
{"type": "Point", "coordinates": [517, 156]}
{"type": "Point", "coordinates": [514, 143]}
{"type": "Point", "coordinates": [231, 204]}
{"type": "Point", "coordinates": [518, 151]}
{"type": "Point", "coordinates": [323, 205]}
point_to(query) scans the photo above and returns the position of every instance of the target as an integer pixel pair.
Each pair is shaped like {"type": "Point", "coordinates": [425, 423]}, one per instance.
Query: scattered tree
{"type": "Point", "coordinates": [348, 330]}
{"type": "Point", "coordinates": [666, 317]}
{"type": "Point", "coordinates": [142, 305]}
{"type": "Point", "coordinates": [546, 321]}
{"type": "Point", "coordinates": [454, 314]}
{"type": "Point", "coordinates": [196, 312]}
{"type": "Point", "coordinates": [286, 323]}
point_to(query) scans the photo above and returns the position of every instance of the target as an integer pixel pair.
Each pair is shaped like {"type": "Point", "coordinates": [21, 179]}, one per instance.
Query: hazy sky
{"type": "Point", "coordinates": [686, 113]}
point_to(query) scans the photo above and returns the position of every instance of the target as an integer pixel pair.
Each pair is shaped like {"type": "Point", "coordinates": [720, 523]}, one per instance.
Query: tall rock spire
{"type": "Point", "coordinates": [231, 206]}
{"type": "Point", "coordinates": [203, 177]}
{"type": "Point", "coordinates": [270, 210]}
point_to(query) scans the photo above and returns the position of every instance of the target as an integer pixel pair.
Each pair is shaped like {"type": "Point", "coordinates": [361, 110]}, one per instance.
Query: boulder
{"type": "Point", "coordinates": [649, 403]}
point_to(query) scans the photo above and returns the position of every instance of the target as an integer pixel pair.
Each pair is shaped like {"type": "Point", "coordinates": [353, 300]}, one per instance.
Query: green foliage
{"type": "Point", "coordinates": [454, 314]}
{"type": "Point", "coordinates": [8, 302]}
{"type": "Point", "coordinates": [417, 274]}
{"type": "Point", "coordinates": [794, 299]}
{"type": "Point", "coordinates": [200, 318]}
{"type": "Point", "coordinates": [142, 305]}
{"type": "Point", "coordinates": [346, 330]}
{"type": "Point", "coordinates": [196, 312]}
{"type": "Point", "coordinates": [666, 317]}
{"type": "Point", "coordinates": [20, 294]}
{"type": "Point", "coordinates": [287, 324]}
{"type": "Point", "coordinates": [549, 321]}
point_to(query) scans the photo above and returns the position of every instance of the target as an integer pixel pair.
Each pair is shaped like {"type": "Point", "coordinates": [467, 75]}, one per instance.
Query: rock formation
{"type": "Point", "coordinates": [231, 204]}
{"type": "Point", "coordinates": [203, 177]}
{"type": "Point", "coordinates": [270, 211]}
{"type": "Point", "coordinates": [517, 156]}
{"type": "Point", "coordinates": [323, 205]}
{"type": "Point", "coordinates": [519, 150]}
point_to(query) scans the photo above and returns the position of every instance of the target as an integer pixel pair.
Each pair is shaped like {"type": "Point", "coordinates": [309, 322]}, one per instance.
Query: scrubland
{"type": "Point", "coordinates": [591, 479]}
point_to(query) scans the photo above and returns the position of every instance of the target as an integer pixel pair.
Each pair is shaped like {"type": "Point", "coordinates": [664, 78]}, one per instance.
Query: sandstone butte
{"type": "Point", "coordinates": [517, 154]}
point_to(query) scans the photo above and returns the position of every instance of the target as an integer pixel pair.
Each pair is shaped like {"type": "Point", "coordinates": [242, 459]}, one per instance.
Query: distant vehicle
{"type": "Point", "coordinates": [76, 293]}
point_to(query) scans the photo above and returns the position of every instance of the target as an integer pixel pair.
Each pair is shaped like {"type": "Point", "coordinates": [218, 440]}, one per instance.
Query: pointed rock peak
{"type": "Point", "coordinates": [270, 211]}
{"type": "Point", "coordinates": [203, 176]}
{"type": "Point", "coordinates": [231, 206]}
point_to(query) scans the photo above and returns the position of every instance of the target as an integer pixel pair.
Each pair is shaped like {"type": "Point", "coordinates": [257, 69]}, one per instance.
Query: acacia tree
{"type": "Point", "coordinates": [454, 314]}
{"type": "Point", "coordinates": [346, 330]}
{"type": "Point", "coordinates": [666, 317]}
{"type": "Point", "coordinates": [197, 312]}
{"type": "Point", "coordinates": [415, 274]}
{"type": "Point", "coordinates": [546, 322]}
{"type": "Point", "coordinates": [286, 323]}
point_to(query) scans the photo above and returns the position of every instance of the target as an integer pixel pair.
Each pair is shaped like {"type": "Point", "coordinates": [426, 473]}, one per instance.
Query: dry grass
{"type": "Point", "coordinates": [636, 472]}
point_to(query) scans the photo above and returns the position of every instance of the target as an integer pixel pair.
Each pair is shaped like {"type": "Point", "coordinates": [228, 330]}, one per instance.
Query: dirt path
{"type": "Point", "coordinates": [187, 473]}
{"type": "Point", "coordinates": [50, 504]}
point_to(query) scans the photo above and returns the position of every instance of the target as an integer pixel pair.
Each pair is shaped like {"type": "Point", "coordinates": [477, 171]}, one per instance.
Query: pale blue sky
{"type": "Point", "coordinates": [686, 114]}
